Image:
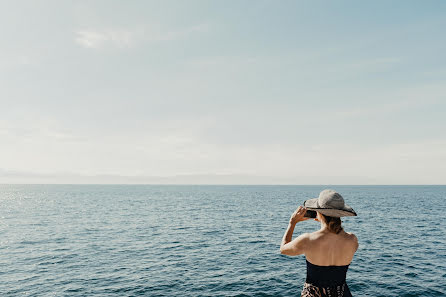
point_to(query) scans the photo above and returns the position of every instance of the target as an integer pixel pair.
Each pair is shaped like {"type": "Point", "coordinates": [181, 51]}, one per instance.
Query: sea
{"type": "Point", "coordinates": [209, 240]}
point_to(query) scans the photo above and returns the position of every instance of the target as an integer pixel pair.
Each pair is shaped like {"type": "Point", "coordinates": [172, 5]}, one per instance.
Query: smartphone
{"type": "Point", "coordinates": [310, 214]}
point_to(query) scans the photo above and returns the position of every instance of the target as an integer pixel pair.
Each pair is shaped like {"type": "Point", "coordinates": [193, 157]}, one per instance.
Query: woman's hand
{"type": "Point", "coordinates": [298, 215]}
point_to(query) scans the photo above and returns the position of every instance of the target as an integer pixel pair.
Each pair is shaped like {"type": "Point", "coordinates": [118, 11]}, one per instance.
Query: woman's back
{"type": "Point", "coordinates": [328, 258]}
{"type": "Point", "coordinates": [326, 248]}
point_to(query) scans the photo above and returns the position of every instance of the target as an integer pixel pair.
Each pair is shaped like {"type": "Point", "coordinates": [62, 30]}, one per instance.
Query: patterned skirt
{"type": "Point", "coordinates": [310, 290]}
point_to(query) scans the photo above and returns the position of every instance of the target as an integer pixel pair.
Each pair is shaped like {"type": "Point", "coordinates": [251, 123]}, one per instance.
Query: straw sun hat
{"type": "Point", "coordinates": [330, 203]}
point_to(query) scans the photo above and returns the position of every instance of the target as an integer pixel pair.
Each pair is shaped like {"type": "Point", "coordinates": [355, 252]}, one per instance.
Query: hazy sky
{"type": "Point", "coordinates": [296, 92]}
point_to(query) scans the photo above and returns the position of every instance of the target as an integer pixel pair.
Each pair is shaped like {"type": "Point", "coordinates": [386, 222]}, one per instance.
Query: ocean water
{"type": "Point", "coordinates": [142, 240]}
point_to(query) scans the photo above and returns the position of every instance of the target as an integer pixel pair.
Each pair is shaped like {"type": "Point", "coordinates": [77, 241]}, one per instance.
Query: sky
{"type": "Point", "coordinates": [223, 92]}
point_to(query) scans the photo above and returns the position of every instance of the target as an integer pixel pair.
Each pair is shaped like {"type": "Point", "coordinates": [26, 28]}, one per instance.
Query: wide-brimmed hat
{"type": "Point", "coordinates": [330, 203]}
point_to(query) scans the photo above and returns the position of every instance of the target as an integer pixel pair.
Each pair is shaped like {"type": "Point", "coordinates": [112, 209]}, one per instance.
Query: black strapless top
{"type": "Point", "coordinates": [326, 281]}
{"type": "Point", "coordinates": [326, 276]}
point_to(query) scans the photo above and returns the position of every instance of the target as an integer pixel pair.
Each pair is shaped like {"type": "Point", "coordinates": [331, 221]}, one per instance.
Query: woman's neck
{"type": "Point", "coordinates": [324, 227]}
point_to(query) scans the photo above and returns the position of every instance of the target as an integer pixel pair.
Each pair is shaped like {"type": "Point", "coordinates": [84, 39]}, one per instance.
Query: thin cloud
{"type": "Point", "coordinates": [97, 39]}
{"type": "Point", "coordinates": [120, 38]}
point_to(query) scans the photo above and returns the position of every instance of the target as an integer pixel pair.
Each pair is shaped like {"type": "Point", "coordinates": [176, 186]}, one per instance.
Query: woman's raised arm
{"type": "Point", "coordinates": [297, 246]}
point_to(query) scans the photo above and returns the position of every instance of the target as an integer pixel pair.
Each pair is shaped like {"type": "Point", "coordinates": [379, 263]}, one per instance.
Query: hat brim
{"type": "Point", "coordinates": [347, 211]}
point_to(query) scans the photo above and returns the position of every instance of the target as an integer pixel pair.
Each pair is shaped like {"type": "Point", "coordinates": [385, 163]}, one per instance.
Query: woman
{"type": "Point", "coordinates": [328, 251]}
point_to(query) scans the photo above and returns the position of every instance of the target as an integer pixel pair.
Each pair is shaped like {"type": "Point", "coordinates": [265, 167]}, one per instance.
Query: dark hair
{"type": "Point", "coordinates": [333, 223]}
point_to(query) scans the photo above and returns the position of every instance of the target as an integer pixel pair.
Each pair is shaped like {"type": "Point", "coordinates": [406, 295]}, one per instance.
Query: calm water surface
{"type": "Point", "coordinates": [97, 240]}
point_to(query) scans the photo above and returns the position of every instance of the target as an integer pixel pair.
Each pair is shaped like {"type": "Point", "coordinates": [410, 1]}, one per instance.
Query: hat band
{"type": "Point", "coordinates": [330, 208]}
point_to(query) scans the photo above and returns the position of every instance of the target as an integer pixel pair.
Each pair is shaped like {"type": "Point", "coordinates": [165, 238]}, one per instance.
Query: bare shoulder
{"type": "Point", "coordinates": [315, 236]}
{"type": "Point", "coordinates": [304, 239]}
{"type": "Point", "coordinates": [352, 237]}
{"type": "Point", "coordinates": [296, 247]}
{"type": "Point", "coordinates": [304, 236]}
